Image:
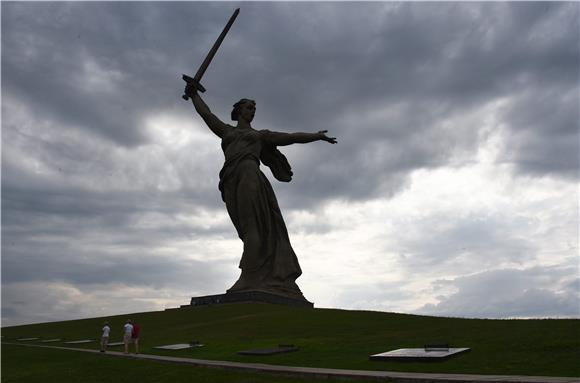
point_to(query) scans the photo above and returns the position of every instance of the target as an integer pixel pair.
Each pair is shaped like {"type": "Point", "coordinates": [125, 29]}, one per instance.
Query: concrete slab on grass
{"type": "Point", "coordinates": [26, 339]}
{"type": "Point", "coordinates": [50, 340]}
{"type": "Point", "coordinates": [80, 341]}
{"type": "Point", "coordinates": [418, 354]}
{"type": "Point", "coordinates": [178, 346]}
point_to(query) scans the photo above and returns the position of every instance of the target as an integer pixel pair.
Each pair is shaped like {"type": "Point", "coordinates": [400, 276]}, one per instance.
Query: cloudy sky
{"type": "Point", "coordinates": [453, 189]}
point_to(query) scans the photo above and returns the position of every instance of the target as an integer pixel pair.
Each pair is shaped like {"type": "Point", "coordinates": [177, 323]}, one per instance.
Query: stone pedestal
{"type": "Point", "coordinates": [248, 296]}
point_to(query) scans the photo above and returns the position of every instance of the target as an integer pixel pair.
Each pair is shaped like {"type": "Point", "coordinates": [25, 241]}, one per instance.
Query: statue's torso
{"type": "Point", "coordinates": [238, 143]}
{"type": "Point", "coordinates": [242, 148]}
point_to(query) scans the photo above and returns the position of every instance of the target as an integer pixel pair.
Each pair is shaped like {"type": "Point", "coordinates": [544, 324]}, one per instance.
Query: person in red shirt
{"type": "Point", "coordinates": [135, 336]}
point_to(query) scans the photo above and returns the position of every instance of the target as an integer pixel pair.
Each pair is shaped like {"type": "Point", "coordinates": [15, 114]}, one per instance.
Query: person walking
{"type": "Point", "coordinates": [127, 334]}
{"type": "Point", "coordinates": [105, 336]}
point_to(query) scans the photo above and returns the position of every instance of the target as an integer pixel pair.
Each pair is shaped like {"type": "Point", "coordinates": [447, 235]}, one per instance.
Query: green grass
{"type": "Point", "coordinates": [341, 339]}
{"type": "Point", "coordinates": [33, 365]}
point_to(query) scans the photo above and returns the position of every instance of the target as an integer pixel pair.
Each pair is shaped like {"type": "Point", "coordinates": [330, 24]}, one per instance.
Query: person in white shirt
{"type": "Point", "coordinates": [105, 336]}
{"type": "Point", "coordinates": [127, 334]}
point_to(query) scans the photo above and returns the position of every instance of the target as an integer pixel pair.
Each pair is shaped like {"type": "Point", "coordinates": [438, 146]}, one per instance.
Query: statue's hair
{"type": "Point", "coordinates": [237, 107]}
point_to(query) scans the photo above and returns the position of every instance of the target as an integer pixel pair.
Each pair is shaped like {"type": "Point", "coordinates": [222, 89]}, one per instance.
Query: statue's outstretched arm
{"type": "Point", "coordinates": [214, 123]}
{"type": "Point", "coordinates": [283, 139]}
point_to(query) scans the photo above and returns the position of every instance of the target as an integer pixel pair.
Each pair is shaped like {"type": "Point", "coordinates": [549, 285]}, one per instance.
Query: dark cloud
{"type": "Point", "coordinates": [464, 242]}
{"type": "Point", "coordinates": [430, 60]}
{"type": "Point", "coordinates": [61, 263]}
{"type": "Point", "coordinates": [98, 66]}
{"type": "Point", "coordinates": [533, 292]}
{"type": "Point", "coordinates": [544, 135]}
{"type": "Point", "coordinates": [392, 100]}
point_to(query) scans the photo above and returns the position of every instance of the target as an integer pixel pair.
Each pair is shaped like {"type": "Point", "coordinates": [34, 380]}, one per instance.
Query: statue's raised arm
{"type": "Point", "coordinates": [211, 120]}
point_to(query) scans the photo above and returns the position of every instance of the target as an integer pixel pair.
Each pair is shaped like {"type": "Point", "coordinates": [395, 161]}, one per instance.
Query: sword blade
{"type": "Point", "coordinates": [215, 47]}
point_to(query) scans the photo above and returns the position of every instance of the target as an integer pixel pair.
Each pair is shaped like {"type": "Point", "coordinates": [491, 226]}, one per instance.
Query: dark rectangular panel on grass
{"type": "Point", "coordinates": [269, 351]}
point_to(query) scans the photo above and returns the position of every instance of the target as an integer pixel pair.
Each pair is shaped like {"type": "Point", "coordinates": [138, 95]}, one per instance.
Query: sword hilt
{"type": "Point", "coordinates": [194, 82]}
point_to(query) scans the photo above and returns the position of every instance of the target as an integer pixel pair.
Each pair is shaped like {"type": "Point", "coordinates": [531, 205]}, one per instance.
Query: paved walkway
{"type": "Point", "coordinates": [411, 377]}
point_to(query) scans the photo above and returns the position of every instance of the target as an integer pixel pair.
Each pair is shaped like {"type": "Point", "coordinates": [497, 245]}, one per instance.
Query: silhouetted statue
{"type": "Point", "coordinates": [268, 262]}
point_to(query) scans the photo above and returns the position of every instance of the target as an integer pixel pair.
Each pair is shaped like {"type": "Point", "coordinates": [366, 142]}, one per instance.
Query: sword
{"type": "Point", "coordinates": [195, 80]}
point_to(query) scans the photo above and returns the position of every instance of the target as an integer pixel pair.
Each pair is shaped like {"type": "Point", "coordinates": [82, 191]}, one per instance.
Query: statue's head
{"type": "Point", "coordinates": [245, 109]}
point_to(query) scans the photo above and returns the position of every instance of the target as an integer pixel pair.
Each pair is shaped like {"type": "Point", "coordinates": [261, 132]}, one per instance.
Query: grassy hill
{"type": "Point", "coordinates": [339, 338]}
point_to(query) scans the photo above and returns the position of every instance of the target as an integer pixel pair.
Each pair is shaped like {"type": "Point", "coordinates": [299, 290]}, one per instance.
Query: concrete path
{"type": "Point", "coordinates": [410, 377]}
